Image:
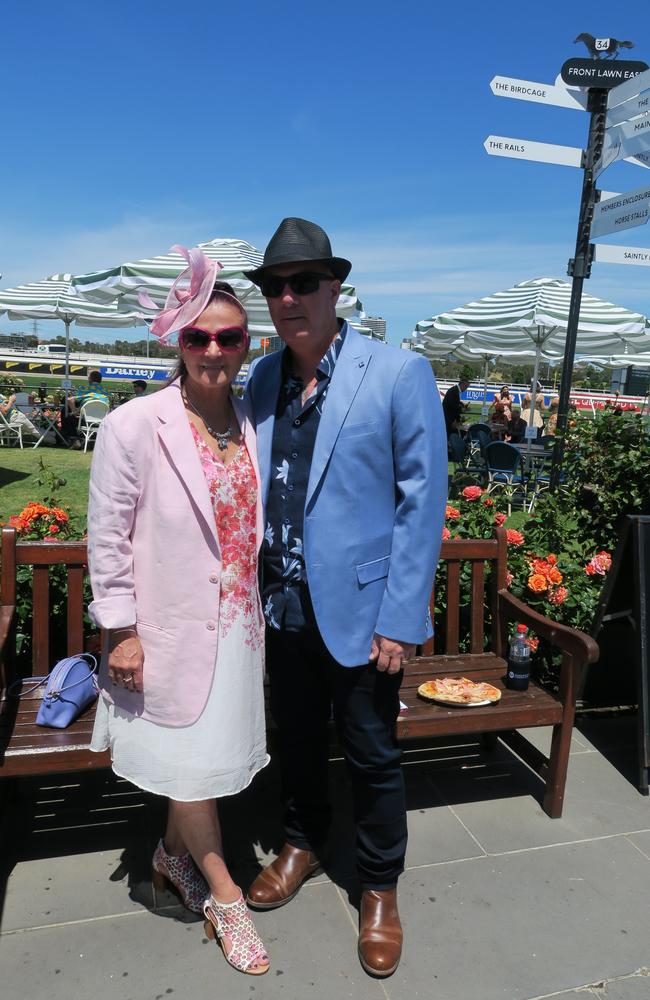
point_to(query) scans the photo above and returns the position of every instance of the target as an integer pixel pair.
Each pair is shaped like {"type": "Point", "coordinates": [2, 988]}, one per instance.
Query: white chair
{"type": "Point", "coordinates": [10, 433]}
{"type": "Point", "coordinates": [91, 415]}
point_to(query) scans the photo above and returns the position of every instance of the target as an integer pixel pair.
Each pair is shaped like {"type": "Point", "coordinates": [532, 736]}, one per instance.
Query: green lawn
{"type": "Point", "coordinates": [19, 470]}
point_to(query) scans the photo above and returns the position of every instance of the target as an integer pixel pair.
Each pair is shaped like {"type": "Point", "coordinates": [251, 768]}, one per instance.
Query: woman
{"type": "Point", "coordinates": [553, 408]}
{"type": "Point", "coordinates": [538, 420]}
{"type": "Point", "coordinates": [174, 527]}
{"type": "Point", "coordinates": [502, 402]}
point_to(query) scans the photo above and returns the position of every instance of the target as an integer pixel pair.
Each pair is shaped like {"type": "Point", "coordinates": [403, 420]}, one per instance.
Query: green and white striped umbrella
{"type": "Point", "coordinates": [534, 316]}
{"type": "Point", "coordinates": [54, 298]}
{"type": "Point", "coordinates": [155, 275]}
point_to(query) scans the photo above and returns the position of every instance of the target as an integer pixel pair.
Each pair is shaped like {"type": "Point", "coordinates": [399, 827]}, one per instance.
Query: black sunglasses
{"type": "Point", "coordinates": [303, 283]}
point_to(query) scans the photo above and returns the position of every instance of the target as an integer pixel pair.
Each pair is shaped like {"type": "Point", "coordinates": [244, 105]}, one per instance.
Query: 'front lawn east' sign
{"type": "Point", "coordinates": [602, 73]}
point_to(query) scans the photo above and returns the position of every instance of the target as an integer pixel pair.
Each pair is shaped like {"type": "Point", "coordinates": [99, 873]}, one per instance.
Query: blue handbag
{"type": "Point", "coordinates": [70, 688]}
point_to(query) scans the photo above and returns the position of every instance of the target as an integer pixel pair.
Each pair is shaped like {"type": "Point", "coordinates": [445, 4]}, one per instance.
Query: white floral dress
{"type": "Point", "coordinates": [222, 751]}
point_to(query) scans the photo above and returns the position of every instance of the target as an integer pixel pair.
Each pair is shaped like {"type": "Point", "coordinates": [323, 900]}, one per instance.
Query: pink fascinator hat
{"type": "Point", "coordinates": [188, 296]}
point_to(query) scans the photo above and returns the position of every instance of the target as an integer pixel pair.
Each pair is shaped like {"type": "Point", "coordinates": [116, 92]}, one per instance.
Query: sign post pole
{"type": "Point", "coordinates": [579, 267]}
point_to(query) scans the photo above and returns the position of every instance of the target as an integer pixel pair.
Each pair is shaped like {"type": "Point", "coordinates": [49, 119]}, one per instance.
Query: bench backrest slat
{"type": "Point", "coordinates": [73, 555]}
{"type": "Point", "coordinates": [75, 610]}
{"type": "Point", "coordinates": [477, 633]}
{"type": "Point", "coordinates": [41, 621]}
{"type": "Point", "coordinates": [453, 606]}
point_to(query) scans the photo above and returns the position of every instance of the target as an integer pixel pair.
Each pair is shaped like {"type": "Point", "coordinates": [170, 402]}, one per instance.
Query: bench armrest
{"type": "Point", "coordinates": [6, 618]}
{"type": "Point", "coordinates": [580, 646]}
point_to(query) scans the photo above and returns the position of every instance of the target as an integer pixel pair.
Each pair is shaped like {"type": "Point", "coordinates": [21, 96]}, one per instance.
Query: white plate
{"type": "Point", "coordinates": [462, 704]}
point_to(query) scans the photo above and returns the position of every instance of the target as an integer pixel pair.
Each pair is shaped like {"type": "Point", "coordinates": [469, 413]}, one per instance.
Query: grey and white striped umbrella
{"type": "Point", "coordinates": [155, 275]}
{"type": "Point", "coordinates": [534, 316]}
{"type": "Point", "coordinates": [530, 319]}
{"type": "Point", "coordinates": [54, 298]}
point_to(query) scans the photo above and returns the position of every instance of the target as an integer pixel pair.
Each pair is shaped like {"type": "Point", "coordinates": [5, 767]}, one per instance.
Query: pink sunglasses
{"type": "Point", "coordinates": [230, 340]}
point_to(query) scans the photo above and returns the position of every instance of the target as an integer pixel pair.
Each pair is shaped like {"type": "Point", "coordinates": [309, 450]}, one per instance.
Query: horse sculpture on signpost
{"type": "Point", "coordinates": [602, 48]}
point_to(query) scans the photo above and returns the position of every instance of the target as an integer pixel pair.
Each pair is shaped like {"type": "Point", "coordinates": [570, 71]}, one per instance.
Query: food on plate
{"type": "Point", "coordinates": [459, 691]}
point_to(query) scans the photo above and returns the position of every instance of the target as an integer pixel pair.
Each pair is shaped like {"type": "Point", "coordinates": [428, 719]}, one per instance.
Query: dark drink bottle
{"type": "Point", "coordinates": [519, 661]}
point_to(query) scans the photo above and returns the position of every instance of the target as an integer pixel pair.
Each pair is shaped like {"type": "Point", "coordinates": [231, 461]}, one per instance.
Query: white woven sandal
{"type": "Point", "coordinates": [233, 921]}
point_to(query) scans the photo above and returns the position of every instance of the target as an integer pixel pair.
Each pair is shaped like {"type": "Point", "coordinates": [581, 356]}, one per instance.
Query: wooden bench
{"type": "Point", "coordinates": [29, 749]}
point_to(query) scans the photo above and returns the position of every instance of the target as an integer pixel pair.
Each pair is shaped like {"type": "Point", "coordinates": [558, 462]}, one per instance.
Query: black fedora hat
{"type": "Point", "coordinates": [295, 241]}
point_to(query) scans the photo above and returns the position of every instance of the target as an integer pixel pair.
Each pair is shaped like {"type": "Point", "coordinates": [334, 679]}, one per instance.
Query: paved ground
{"type": "Point", "coordinates": [498, 900]}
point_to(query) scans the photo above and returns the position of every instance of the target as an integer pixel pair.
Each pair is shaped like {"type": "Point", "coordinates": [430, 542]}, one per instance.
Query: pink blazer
{"type": "Point", "coordinates": [153, 552]}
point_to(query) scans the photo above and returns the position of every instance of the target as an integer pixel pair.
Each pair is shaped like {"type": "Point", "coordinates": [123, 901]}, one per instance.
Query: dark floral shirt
{"type": "Point", "coordinates": [285, 591]}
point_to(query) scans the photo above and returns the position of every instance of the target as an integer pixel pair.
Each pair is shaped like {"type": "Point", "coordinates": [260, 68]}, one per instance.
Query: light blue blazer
{"type": "Point", "coordinates": [375, 503]}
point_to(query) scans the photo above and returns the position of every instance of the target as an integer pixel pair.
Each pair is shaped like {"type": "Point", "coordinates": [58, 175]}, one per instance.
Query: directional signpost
{"type": "Point", "coordinates": [625, 211]}
{"type": "Point", "coordinates": [609, 254]}
{"type": "Point", "coordinates": [541, 93]}
{"type": "Point", "coordinates": [524, 149]}
{"type": "Point", "coordinates": [616, 93]}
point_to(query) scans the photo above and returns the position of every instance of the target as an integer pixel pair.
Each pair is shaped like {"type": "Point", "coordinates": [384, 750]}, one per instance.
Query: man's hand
{"type": "Point", "coordinates": [125, 659]}
{"type": "Point", "coordinates": [389, 654]}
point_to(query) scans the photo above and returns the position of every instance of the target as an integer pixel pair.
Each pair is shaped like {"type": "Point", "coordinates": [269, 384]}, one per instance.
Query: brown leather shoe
{"type": "Point", "coordinates": [280, 882]}
{"type": "Point", "coordinates": [380, 932]}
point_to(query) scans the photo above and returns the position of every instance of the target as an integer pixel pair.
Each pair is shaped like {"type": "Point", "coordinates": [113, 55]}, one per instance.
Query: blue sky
{"type": "Point", "coordinates": [130, 127]}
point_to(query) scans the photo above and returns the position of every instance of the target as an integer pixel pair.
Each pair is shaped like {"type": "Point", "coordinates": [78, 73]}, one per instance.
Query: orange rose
{"type": "Point", "coordinates": [446, 534]}
{"type": "Point", "coordinates": [590, 570]}
{"type": "Point", "coordinates": [552, 560]}
{"type": "Point", "coordinates": [500, 519]}
{"type": "Point", "coordinates": [452, 513]}
{"type": "Point", "coordinates": [472, 492]}
{"type": "Point", "coordinates": [537, 583]}
{"type": "Point", "coordinates": [514, 537]}
{"type": "Point", "coordinates": [555, 576]}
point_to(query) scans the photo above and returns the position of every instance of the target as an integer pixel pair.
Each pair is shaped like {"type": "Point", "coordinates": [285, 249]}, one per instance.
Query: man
{"type": "Point", "coordinates": [139, 387]}
{"type": "Point", "coordinates": [516, 431]}
{"type": "Point", "coordinates": [452, 407]}
{"type": "Point", "coordinates": [94, 390]}
{"type": "Point", "coordinates": [70, 421]}
{"type": "Point", "coordinates": [353, 463]}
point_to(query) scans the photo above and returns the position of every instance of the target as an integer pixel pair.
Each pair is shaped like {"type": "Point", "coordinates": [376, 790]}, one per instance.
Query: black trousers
{"type": "Point", "coordinates": [306, 684]}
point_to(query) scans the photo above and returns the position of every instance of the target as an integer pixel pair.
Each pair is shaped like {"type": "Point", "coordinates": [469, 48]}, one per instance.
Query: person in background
{"type": "Point", "coordinates": [502, 402]}
{"type": "Point", "coordinates": [516, 429]}
{"type": "Point", "coordinates": [551, 422]}
{"type": "Point", "coordinates": [70, 421]}
{"type": "Point", "coordinates": [452, 407]}
{"type": "Point", "coordinates": [538, 420]}
{"type": "Point", "coordinates": [94, 390]}
{"type": "Point", "coordinates": [139, 387]}
{"type": "Point", "coordinates": [15, 417]}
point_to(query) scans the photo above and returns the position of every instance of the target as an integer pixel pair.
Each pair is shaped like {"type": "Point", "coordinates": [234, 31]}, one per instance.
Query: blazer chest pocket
{"type": "Point", "coordinates": [358, 430]}
{"type": "Point", "coordinates": [373, 570]}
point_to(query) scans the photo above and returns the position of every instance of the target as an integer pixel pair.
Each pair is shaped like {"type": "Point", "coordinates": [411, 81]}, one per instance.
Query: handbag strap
{"type": "Point", "coordinates": [36, 682]}
{"type": "Point", "coordinates": [18, 683]}
{"type": "Point", "coordinates": [63, 665]}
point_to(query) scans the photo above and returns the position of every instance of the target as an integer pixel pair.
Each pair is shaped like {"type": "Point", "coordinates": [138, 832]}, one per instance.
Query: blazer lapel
{"type": "Point", "coordinates": [351, 367]}
{"type": "Point", "coordinates": [177, 439]}
{"type": "Point", "coordinates": [264, 399]}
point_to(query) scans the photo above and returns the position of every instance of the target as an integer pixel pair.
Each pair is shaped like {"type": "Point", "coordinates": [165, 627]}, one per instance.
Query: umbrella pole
{"type": "Point", "coordinates": [533, 400]}
{"type": "Point", "coordinates": [67, 359]}
{"type": "Point", "coordinates": [484, 408]}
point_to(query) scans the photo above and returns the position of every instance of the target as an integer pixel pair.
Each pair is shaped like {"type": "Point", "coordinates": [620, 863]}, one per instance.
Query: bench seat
{"type": "Point", "coordinates": [28, 749]}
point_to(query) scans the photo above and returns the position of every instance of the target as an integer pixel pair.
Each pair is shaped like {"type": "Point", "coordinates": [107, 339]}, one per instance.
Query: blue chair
{"type": "Point", "coordinates": [464, 460]}
{"type": "Point", "coordinates": [505, 471]}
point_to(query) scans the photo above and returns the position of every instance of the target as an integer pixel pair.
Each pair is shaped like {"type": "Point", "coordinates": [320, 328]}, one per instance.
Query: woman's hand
{"type": "Point", "coordinates": [125, 658]}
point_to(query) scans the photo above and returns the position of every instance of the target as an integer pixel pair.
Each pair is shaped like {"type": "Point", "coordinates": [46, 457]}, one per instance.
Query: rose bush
{"type": "Point", "coordinates": [45, 520]}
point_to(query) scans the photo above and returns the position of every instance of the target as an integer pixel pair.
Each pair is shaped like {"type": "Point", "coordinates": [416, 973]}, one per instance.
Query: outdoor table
{"type": "Point", "coordinates": [45, 423]}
